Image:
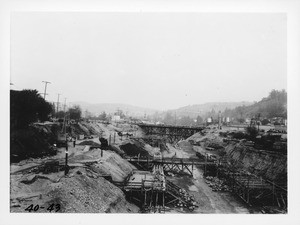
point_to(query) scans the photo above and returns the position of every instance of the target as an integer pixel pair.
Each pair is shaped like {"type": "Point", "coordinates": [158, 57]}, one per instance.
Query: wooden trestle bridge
{"type": "Point", "coordinates": [250, 188]}
{"type": "Point", "coordinates": [175, 165]}
{"type": "Point", "coordinates": [173, 132]}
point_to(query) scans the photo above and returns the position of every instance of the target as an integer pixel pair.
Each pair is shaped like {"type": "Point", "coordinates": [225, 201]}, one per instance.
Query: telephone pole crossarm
{"type": "Point", "coordinates": [45, 92]}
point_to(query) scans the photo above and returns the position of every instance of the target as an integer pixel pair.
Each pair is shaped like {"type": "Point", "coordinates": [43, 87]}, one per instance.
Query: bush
{"type": "Point", "coordinates": [265, 121]}
{"type": "Point", "coordinates": [239, 135]}
{"type": "Point", "coordinates": [252, 132]}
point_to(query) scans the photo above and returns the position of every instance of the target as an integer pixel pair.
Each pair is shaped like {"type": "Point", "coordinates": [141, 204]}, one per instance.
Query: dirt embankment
{"type": "Point", "coordinates": [272, 166]}
{"type": "Point", "coordinates": [84, 189]}
{"type": "Point", "coordinates": [34, 141]}
{"type": "Point", "coordinates": [135, 148]}
{"type": "Point", "coordinates": [265, 164]}
{"type": "Point", "coordinates": [38, 139]}
{"type": "Point", "coordinates": [84, 128]}
{"type": "Point", "coordinates": [76, 193]}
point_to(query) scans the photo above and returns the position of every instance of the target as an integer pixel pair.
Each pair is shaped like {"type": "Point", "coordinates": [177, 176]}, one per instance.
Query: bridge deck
{"type": "Point", "coordinates": [179, 161]}
{"type": "Point", "coordinates": [170, 126]}
{"type": "Point", "coordinates": [169, 130]}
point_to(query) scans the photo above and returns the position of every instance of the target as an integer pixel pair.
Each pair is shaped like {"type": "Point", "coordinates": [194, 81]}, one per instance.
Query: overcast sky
{"type": "Point", "coordinates": [154, 60]}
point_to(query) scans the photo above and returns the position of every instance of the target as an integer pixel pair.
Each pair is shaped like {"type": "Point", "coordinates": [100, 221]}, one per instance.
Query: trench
{"type": "Point", "coordinates": [207, 200]}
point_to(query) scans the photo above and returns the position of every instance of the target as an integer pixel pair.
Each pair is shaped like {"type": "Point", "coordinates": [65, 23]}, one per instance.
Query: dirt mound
{"type": "Point", "coordinates": [92, 128]}
{"type": "Point", "coordinates": [133, 148]}
{"type": "Point", "coordinates": [152, 150]}
{"type": "Point", "coordinates": [116, 149]}
{"type": "Point", "coordinates": [109, 164]}
{"type": "Point", "coordinates": [186, 145]}
{"type": "Point", "coordinates": [84, 189]}
{"type": "Point", "coordinates": [115, 166]}
{"type": "Point", "coordinates": [196, 138]}
{"type": "Point", "coordinates": [91, 143]}
{"type": "Point", "coordinates": [79, 192]}
{"type": "Point", "coordinates": [81, 157]}
{"type": "Point", "coordinates": [77, 129]}
{"type": "Point", "coordinates": [84, 128]}
{"type": "Point", "coordinates": [208, 138]}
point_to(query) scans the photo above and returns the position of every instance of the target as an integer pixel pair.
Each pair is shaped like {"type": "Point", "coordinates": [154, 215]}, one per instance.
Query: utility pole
{"type": "Point", "coordinates": [45, 92]}
{"type": "Point", "coordinates": [66, 159]}
{"type": "Point", "coordinates": [175, 119]}
{"type": "Point", "coordinates": [57, 102]}
{"type": "Point", "coordinates": [219, 120]}
{"type": "Point", "coordinates": [258, 121]}
{"type": "Point", "coordinates": [65, 118]}
{"type": "Point", "coordinates": [65, 105]}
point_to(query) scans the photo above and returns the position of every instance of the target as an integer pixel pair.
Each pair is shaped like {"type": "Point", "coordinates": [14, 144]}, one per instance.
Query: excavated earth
{"type": "Point", "coordinates": [87, 187]}
{"type": "Point", "coordinates": [84, 189]}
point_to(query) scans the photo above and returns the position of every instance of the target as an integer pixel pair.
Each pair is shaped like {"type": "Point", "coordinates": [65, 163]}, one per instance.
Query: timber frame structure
{"type": "Point", "coordinates": [172, 132]}
{"type": "Point", "coordinates": [255, 190]}
{"type": "Point", "coordinates": [155, 195]}
{"type": "Point", "coordinates": [174, 165]}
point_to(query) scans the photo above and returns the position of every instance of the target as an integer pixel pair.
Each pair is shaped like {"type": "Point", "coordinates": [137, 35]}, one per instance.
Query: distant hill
{"type": "Point", "coordinates": [191, 110]}
{"type": "Point", "coordinates": [274, 105]}
{"type": "Point", "coordinates": [203, 109]}
{"type": "Point", "coordinates": [111, 108]}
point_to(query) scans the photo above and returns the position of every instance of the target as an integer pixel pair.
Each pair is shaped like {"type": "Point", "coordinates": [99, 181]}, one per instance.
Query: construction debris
{"type": "Point", "coordinates": [216, 184]}
{"type": "Point", "coordinates": [96, 177]}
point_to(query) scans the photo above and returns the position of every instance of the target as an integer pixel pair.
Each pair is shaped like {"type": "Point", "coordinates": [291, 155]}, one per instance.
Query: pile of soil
{"type": "Point", "coordinates": [91, 143]}
{"type": "Point", "coordinates": [114, 165]}
{"type": "Point", "coordinates": [77, 129]}
{"type": "Point", "coordinates": [206, 138]}
{"type": "Point", "coordinates": [83, 190]}
{"type": "Point", "coordinates": [133, 148]}
{"type": "Point", "coordinates": [93, 128]}
{"type": "Point", "coordinates": [79, 192]}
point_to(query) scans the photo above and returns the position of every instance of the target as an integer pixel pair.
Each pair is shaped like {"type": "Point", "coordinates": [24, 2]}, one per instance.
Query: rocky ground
{"type": "Point", "coordinates": [87, 187]}
{"type": "Point", "coordinates": [83, 189]}
{"type": "Point", "coordinates": [208, 200]}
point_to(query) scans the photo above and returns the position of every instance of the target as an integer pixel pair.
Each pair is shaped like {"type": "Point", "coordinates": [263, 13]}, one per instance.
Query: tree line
{"type": "Point", "coordinates": [274, 105]}
{"type": "Point", "coordinates": [28, 106]}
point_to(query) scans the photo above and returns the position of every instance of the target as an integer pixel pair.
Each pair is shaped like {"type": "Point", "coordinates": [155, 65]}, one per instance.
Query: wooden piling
{"type": "Point", "coordinates": [205, 165]}
{"type": "Point", "coordinates": [66, 162]}
{"type": "Point", "coordinates": [192, 167]}
{"type": "Point", "coordinates": [163, 199]}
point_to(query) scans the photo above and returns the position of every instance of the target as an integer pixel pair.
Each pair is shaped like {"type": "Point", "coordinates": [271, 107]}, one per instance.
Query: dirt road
{"type": "Point", "coordinates": [208, 200]}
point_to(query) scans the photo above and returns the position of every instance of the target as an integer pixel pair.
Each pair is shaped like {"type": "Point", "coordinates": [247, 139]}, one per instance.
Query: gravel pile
{"type": "Point", "coordinates": [216, 184]}
{"type": "Point", "coordinates": [190, 200]}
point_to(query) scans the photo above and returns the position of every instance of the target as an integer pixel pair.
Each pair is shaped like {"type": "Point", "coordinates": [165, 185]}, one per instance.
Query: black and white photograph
{"type": "Point", "coordinates": [149, 112]}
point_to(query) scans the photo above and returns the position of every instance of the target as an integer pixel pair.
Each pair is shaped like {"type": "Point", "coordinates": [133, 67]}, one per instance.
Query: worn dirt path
{"type": "Point", "coordinates": [208, 200]}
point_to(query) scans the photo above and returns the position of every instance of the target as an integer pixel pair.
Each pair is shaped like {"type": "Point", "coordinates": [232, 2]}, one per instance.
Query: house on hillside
{"type": "Point", "coordinates": [116, 118]}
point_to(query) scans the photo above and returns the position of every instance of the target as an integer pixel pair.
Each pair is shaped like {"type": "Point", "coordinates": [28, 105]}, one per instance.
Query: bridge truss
{"type": "Point", "coordinates": [173, 132]}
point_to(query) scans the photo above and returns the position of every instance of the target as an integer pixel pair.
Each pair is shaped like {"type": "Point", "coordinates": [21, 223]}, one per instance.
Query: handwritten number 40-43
{"type": "Point", "coordinates": [52, 207]}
